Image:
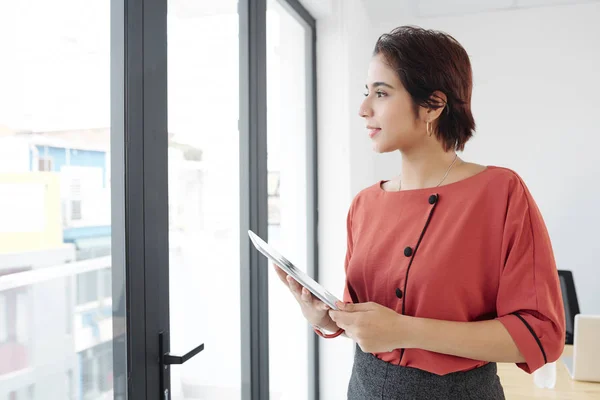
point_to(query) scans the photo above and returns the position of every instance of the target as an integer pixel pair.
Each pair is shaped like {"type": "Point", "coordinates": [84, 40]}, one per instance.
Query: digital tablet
{"type": "Point", "coordinates": [302, 278]}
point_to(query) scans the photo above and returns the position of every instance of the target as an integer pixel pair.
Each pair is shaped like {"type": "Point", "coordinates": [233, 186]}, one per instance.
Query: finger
{"type": "Point", "coordinates": [342, 324]}
{"type": "Point", "coordinates": [341, 317]}
{"type": "Point", "coordinates": [306, 296]}
{"type": "Point", "coordinates": [319, 304]}
{"type": "Point", "coordinates": [314, 301]}
{"type": "Point", "coordinates": [281, 273]}
{"type": "Point", "coordinates": [294, 287]}
{"type": "Point", "coordinates": [347, 319]}
{"type": "Point", "coordinates": [351, 307]}
{"type": "Point", "coordinates": [296, 295]}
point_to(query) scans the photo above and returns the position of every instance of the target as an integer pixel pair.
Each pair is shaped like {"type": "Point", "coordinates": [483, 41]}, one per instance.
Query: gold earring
{"type": "Point", "coordinates": [429, 131]}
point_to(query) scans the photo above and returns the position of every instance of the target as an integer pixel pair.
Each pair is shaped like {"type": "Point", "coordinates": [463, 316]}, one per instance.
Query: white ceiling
{"type": "Point", "coordinates": [318, 8]}
{"type": "Point", "coordinates": [376, 9]}
{"type": "Point", "coordinates": [384, 9]}
{"type": "Point", "coordinates": [201, 8]}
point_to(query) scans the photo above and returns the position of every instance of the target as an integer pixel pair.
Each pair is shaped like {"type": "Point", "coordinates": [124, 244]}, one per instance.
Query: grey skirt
{"type": "Point", "coordinates": [373, 378]}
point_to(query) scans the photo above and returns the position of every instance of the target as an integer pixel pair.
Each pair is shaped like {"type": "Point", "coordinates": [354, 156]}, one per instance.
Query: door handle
{"type": "Point", "coordinates": [167, 359]}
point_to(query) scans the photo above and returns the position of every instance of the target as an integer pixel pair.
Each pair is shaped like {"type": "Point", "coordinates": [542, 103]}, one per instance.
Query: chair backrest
{"type": "Point", "coordinates": [569, 295]}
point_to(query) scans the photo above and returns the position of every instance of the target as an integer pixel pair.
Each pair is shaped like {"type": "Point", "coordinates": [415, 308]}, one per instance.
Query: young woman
{"type": "Point", "coordinates": [449, 267]}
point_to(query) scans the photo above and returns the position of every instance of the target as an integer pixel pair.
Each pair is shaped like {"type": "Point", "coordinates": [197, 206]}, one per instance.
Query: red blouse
{"type": "Point", "coordinates": [477, 249]}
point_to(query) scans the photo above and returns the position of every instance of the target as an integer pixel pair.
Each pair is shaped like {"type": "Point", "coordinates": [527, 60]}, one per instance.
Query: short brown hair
{"type": "Point", "coordinates": [428, 60]}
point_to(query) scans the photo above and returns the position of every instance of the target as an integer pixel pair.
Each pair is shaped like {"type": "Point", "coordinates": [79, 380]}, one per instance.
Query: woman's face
{"type": "Point", "coordinates": [388, 110]}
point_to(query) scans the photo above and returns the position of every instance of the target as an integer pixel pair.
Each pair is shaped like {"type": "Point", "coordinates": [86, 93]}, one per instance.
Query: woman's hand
{"type": "Point", "coordinates": [375, 328]}
{"type": "Point", "coordinates": [313, 309]}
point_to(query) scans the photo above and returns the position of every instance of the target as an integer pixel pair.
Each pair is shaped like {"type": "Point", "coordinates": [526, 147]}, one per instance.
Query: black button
{"type": "Point", "coordinates": [433, 199]}
{"type": "Point", "coordinates": [408, 251]}
{"type": "Point", "coordinates": [398, 293]}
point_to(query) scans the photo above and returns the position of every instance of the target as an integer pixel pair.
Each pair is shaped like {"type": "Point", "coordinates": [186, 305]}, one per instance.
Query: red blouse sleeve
{"type": "Point", "coordinates": [348, 292]}
{"type": "Point", "coordinates": [529, 301]}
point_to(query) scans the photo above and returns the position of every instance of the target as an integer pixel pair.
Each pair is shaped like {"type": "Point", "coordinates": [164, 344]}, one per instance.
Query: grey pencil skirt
{"type": "Point", "coordinates": [373, 378]}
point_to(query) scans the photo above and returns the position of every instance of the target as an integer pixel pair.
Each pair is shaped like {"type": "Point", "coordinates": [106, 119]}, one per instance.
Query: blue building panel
{"type": "Point", "coordinates": [87, 237]}
{"type": "Point", "coordinates": [73, 157]}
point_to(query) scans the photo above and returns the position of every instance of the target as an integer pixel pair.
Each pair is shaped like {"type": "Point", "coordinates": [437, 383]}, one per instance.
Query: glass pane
{"type": "Point", "coordinates": [55, 200]}
{"type": "Point", "coordinates": [204, 234]}
{"type": "Point", "coordinates": [288, 133]}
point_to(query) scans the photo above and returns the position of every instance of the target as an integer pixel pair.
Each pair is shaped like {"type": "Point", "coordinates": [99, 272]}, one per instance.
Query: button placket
{"type": "Point", "coordinates": [410, 252]}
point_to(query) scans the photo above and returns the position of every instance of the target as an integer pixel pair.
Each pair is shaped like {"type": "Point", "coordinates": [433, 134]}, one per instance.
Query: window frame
{"type": "Point", "coordinates": [139, 183]}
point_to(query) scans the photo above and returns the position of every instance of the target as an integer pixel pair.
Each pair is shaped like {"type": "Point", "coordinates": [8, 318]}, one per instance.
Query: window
{"type": "Point", "coordinates": [204, 193]}
{"type": "Point", "coordinates": [104, 357]}
{"type": "Point", "coordinates": [273, 185]}
{"type": "Point", "coordinates": [45, 164]}
{"type": "Point", "coordinates": [69, 385]}
{"type": "Point", "coordinates": [75, 195]}
{"type": "Point", "coordinates": [87, 287]}
{"type": "Point", "coordinates": [14, 313]}
{"type": "Point", "coordinates": [55, 97]}
{"type": "Point", "coordinates": [22, 317]}
{"type": "Point", "coordinates": [290, 163]}
{"type": "Point", "coordinates": [3, 319]}
{"type": "Point", "coordinates": [88, 372]}
{"type": "Point", "coordinates": [75, 210]}
{"type": "Point", "coordinates": [96, 371]}
{"type": "Point", "coordinates": [106, 284]}
{"type": "Point", "coordinates": [69, 305]}
{"type": "Point", "coordinates": [15, 325]}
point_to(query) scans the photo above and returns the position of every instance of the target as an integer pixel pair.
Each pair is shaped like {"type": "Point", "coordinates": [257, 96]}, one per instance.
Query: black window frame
{"type": "Point", "coordinates": [139, 181]}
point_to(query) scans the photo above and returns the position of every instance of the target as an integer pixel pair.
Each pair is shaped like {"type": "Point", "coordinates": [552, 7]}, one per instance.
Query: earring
{"type": "Point", "coordinates": [429, 131]}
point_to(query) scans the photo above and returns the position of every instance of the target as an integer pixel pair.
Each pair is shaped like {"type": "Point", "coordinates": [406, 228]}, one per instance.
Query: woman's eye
{"type": "Point", "coordinates": [378, 94]}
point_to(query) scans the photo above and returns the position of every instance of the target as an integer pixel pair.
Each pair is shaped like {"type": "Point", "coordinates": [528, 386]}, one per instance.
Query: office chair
{"type": "Point", "coordinates": [570, 303]}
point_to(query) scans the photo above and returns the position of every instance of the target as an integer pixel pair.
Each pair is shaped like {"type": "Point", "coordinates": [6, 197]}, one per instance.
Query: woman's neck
{"type": "Point", "coordinates": [425, 168]}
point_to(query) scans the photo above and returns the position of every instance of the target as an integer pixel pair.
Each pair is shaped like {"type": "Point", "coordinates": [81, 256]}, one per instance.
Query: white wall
{"type": "Point", "coordinates": [345, 162]}
{"type": "Point", "coordinates": [534, 101]}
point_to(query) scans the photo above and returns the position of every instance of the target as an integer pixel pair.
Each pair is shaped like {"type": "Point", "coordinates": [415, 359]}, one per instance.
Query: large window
{"type": "Point", "coordinates": [55, 200]}
{"type": "Point", "coordinates": [291, 159]}
{"type": "Point", "coordinates": [141, 139]}
{"type": "Point", "coordinates": [204, 197]}
{"type": "Point", "coordinates": [204, 94]}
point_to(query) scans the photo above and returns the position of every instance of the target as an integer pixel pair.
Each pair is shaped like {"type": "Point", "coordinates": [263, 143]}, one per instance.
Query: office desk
{"type": "Point", "coordinates": [519, 385]}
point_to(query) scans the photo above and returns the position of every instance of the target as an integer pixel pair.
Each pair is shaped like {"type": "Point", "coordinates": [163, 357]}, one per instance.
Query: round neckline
{"type": "Point", "coordinates": [434, 188]}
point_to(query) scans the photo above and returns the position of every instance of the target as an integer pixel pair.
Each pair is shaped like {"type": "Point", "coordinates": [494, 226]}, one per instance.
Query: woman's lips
{"type": "Point", "coordinates": [373, 132]}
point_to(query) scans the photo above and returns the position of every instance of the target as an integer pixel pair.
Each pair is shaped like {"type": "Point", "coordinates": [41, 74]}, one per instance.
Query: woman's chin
{"type": "Point", "coordinates": [382, 147]}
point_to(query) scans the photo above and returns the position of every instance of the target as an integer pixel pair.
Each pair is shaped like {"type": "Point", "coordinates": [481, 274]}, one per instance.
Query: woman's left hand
{"type": "Point", "coordinates": [375, 328]}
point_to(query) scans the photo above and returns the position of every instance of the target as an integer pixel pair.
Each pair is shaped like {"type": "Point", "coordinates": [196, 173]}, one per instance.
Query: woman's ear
{"type": "Point", "coordinates": [439, 102]}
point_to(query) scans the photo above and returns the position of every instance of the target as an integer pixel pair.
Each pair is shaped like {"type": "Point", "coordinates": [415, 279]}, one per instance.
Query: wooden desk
{"type": "Point", "coordinates": [519, 385]}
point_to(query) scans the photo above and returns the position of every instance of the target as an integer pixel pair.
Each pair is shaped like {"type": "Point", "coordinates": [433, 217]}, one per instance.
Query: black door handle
{"type": "Point", "coordinates": [167, 359]}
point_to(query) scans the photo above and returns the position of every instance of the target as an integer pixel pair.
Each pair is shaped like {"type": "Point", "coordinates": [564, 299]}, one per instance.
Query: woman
{"type": "Point", "coordinates": [449, 267]}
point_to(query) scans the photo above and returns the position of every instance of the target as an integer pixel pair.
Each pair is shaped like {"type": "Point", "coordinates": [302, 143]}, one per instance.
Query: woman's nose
{"type": "Point", "coordinates": [364, 111]}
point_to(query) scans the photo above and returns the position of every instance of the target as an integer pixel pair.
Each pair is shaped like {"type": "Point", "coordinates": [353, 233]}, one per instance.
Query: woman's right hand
{"type": "Point", "coordinates": [314, 310]}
